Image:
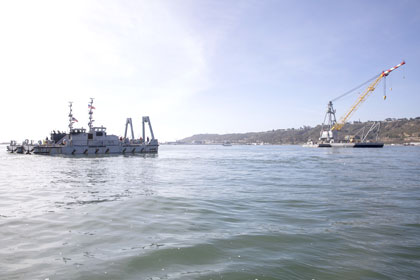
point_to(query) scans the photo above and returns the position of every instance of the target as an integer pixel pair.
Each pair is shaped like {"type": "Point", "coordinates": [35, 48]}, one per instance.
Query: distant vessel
{"type": "Point", "coordinates": [310, 144]}
{"type": "Point", "coordinates": [227, 143]}
{"type": "Point", "coordinates": [95, 141]}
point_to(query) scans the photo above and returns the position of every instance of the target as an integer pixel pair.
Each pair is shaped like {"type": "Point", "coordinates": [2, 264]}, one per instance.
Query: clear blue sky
{"type": "Point", "coordinates": [202, 66]}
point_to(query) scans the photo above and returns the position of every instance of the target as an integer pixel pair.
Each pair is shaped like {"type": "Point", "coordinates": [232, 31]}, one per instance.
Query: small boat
{"type": "Point", "coordinates": [310, 144]}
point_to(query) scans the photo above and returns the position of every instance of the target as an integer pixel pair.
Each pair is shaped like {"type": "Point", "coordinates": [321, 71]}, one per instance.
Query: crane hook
{"type": "Point", "coordinates": [385, 88]}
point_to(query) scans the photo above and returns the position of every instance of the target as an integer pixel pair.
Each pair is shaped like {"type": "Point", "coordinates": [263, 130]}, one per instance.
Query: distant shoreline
{"type": "Point", "coordinates": [285, 144]}
{"type": "Point", "coordinates": [392, 132]}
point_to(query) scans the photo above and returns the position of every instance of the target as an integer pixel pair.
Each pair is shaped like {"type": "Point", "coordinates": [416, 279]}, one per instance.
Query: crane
{"type": "Point", "coordinates": [333, 125]}
{"type": "Point", "coordinates": [363, 97]}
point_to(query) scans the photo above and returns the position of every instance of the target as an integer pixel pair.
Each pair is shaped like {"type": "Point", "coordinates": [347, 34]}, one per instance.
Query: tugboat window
{"type": "Point", "coordinates": [99, 133]}
{"type": "Point", "coordinates": [90, 136]}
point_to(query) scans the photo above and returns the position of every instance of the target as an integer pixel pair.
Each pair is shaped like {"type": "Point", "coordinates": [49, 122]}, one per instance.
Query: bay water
{"type": "Point", "coordinates": [212, 212]}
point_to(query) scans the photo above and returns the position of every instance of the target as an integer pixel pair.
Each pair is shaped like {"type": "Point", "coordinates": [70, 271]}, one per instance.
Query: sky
{"type": "Point", "coordinates": [197, 66]}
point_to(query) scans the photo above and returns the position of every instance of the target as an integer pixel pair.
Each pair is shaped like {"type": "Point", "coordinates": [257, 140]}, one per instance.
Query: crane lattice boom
{"type": "Point", "coordinates": [363, 97]}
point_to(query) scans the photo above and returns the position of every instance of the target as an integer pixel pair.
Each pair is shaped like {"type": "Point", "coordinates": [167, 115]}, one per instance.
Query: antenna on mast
{"type": "Point", "coordinates": [90, 106]}
{"type": "Point", "coordinates": [70, 116]}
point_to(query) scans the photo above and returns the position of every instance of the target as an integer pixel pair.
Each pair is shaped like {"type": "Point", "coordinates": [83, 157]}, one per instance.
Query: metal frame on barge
{"type": "Point", "coordinates": [95, 141]}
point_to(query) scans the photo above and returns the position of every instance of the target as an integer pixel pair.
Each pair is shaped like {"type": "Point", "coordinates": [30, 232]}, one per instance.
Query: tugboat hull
{"type": "Point", "coordinates": [95, 150]}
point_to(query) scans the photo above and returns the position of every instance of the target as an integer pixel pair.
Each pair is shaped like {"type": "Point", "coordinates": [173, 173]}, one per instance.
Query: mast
{"type": "Point", "coordinates": [331, 116]}
{"type": "Point", "coordinates": [70, 117]}
{"type": "Point", "coordinates": [91, 120]}
{"type": "Point", "coordinates": [326, 134]}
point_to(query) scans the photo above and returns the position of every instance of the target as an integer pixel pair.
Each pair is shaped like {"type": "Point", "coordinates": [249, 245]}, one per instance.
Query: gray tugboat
{"type": "Point", "coordinates": [95, 141]}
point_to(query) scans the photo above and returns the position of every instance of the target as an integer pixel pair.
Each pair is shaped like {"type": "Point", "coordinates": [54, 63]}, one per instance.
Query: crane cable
{"type": "Point", "coordinates": [385, 88]}
{"type": "Point", "coordinates": [359, 86]}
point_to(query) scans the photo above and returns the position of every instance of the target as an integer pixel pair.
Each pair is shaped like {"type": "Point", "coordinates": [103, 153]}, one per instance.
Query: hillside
{"type": "Point", "coordinates": [396, 131]}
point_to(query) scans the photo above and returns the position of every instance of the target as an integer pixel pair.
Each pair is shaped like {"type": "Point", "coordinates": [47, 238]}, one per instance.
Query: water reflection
{"type": "Point", "coordinates": [39, 184]}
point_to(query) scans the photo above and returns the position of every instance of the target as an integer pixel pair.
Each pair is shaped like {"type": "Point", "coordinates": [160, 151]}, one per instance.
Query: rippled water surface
{"type": "Point", "coordinates": [212, 212]}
